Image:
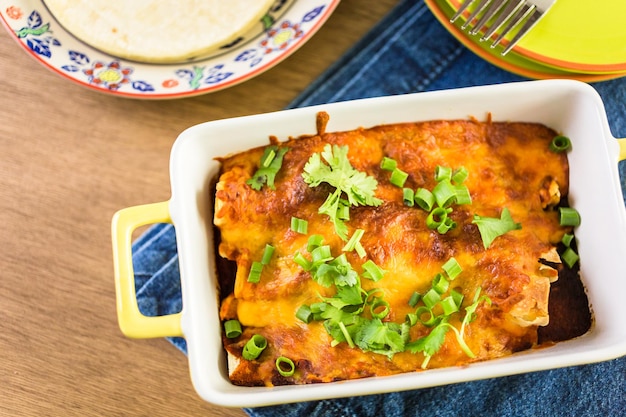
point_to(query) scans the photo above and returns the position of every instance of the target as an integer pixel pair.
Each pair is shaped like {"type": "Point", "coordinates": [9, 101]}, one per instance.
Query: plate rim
{"type": "Point", "coordinates": [17, 12]}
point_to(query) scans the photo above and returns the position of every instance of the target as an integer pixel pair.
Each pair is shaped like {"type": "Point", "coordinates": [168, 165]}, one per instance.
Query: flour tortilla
{"type": "Point", "coordinates": [158, 31]}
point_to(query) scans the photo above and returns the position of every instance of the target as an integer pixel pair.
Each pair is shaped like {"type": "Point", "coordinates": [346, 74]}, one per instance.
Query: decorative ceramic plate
{"type": "Point", "coordinates": [513, 62]}
{"type": "Point", "coordinates": [36, 30]}
{"type": "Point", "coordinates": [578, 36]}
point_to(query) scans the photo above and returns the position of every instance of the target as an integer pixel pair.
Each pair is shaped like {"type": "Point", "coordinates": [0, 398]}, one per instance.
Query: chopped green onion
{"type": "Point", "coordinates": [299, 225]}
{"type": "Point", "coordinates": [445, 193]}
{"type": "Point", "coordinates": [255, 272]}
{"type": "Point", "coordinates": [398, 177]}
{"type": "Point", "coordinates": [388, 164]}
{"type": "Point", "coordinates": [267, 254]}
{"type": "Point", "coordinates": [459, 175]}
{"type": "Point", "coordinates": [267, 159]}
{"type": "Point", "coordinates": [570, 257]}
{"type": "Point", "coordinates": [567, 239]}
{"type": "Point", "coordinates": [462, 195]}
{"type": "Point", "coordinates": [372, 271]}
{"type": "Point", "coordinates": [360, 250]}
{"type": "Point", "coordinates": [440, 284]}
{"type": "Point", "coordinates": [370, 296]}
{"type": "Point", "coordinates": [302, 261]}
{"type": "Point", "coordinates": [447, 225]}
{"type": "Point", "coordinates": [354, 239]}
{"type": "Point", "coordinates": [408, 197]}
{"type": "Point", "coordinates": [314, 242]}
{"type": "Point", "coordinates": [232, 328]}
{"type": "Point", "coordinates": [341, 261]}
{"type": "Point", "coordinates": [426, 316]}
{"type": "Point", "coordinates": [452, 268]}
{"type": "Point", "coordinates": [568, 216]}
{"type": "Point", "coordinates": [254, 347]}
{"type": "Point", "coordinates": [343, 210]}
{"type": "Point", "coordinates": [415, 298]}
{"type": "Point", "coordinates": [443, 173]}
{"type": "Point", "coordinates": [304, 313]}
{"type": "Point", "coordinates": [560, 144]}
{"type": "Point", "coordinates": [431, 298]}
{"type": "Point", "coordinates": [457, 297]}
{"type": "Point", "coordinates": [282, 363]}
{"type": "Point", "coordinates": [321, 254]}
{"type": "Point", "coordinates": [449, 305]}
{"type": "Point", "coordinates": [377, 311]}
{"type": "Point", "coordinates": [436, 217]}
{"type": "Point", "coordinates": [411, 318]}
{"type": "Point", "coordinates": [425, 199]}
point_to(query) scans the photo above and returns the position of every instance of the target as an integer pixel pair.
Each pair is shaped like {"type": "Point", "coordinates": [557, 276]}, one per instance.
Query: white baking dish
{"type": "Point", "coordinates": [570, 107]}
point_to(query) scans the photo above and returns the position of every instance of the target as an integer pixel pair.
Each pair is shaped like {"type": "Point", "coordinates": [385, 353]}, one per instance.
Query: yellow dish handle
{"type": "Point", "coordinates": [131, 321]}
{"type": "Point", "coordinates": [622, 148]}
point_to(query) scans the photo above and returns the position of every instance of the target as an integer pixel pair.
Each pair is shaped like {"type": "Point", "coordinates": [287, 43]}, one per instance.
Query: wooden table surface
{"type": "Point", "coordinates": [69, 158]}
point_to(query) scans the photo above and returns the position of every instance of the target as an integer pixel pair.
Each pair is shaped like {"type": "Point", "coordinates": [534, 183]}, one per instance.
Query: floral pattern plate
{"type": "Point", "coordinates": [39, 34]}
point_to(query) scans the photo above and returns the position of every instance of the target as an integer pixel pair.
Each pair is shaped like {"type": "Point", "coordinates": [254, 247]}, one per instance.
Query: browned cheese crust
{"type": "Point", "coordinates": [509, 164]}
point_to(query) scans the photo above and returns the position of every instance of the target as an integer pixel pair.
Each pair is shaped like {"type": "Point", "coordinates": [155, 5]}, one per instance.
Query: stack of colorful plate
{"type": "Point", "coordinates": [575, 39]}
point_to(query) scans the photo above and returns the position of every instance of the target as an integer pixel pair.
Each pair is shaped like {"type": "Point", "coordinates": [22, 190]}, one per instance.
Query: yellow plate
{"type": "Point", "coordinates": [513, 61]}
{"type": "Point", "coordinates": [578, 36]}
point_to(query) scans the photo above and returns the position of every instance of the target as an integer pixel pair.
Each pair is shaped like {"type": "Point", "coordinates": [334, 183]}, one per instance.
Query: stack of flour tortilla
{"type": "Point", "coordinates": [164, 31]}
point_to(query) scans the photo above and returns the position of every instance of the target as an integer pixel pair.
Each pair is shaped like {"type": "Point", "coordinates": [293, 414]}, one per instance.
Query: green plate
{"type": "Point", "coordinates": [578, 36]}
{"type": "Point", "coordinates": [514, 61]}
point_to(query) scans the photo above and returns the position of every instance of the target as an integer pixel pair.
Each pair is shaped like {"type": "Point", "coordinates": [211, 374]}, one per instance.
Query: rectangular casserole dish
{"type": "Point", "coordinates": [571, 108]}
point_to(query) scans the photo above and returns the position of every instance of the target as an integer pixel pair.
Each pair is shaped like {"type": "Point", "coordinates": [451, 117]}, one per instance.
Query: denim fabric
{"type": "Point", "coordinates": [409, 51]}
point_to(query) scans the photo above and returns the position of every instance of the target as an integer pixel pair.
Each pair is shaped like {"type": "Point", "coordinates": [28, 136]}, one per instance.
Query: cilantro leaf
{"type": "Point", "coordinates": [271, 162]}
{"type": "Point", "coordinates": [470, 311]}
{"type": "Point", "coordinates": [337, 271]}
{"type": "Point", "coordinates": [379, 337]}
{"type": "Point", "coordinates": [333, 167]}
{"type": "Point", "coordinates": [492, 227]}
{"type": "Point", "coordinates": [334, 314]}
{"type": "Point", "coordinates": [431, 343]}
{"type": "Point", "coordinates": [346, 296]}
{"type": "Point", "coordinates": [324, 275]}
{"type": "Point", "coordinates": [343, 331]}
{"type": "Point", "coordinates": [346, 275]}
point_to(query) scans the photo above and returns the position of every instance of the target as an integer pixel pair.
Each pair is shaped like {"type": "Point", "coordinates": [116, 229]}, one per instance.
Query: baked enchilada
{"type": "Point", "coordinates": [390, 249]}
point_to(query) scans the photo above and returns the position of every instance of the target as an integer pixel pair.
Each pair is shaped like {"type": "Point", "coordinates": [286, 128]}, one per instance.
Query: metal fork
{"type": "Point", "coordinates": [511, 12]}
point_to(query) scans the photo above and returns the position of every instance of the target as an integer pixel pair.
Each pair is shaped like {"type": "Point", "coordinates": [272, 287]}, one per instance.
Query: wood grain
{"type": "Point", "coordinates": [69, 158]}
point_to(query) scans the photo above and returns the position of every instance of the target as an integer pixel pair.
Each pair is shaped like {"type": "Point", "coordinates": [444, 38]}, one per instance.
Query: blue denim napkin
{"type": "Point", "coordinates": [409, 51]}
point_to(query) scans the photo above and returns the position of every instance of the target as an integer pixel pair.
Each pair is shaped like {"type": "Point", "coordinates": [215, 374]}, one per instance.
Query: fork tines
{"type": "Point", "coordinates": [501, 12]}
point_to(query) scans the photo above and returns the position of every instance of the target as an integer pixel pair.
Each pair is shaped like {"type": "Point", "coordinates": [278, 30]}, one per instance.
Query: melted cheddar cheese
{"type": "Point", "coordinates": [509, 164]}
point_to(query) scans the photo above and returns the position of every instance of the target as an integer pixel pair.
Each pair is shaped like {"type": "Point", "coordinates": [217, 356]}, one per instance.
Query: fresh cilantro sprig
{"type": "Point", "coordinates": [431, 343]}
{"type": "Point", "coordinates": [470, 310]}
{"type": "Point", "coordinates": [352, 187]}
{"type": "Point", "coordinates": [492, 227]}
